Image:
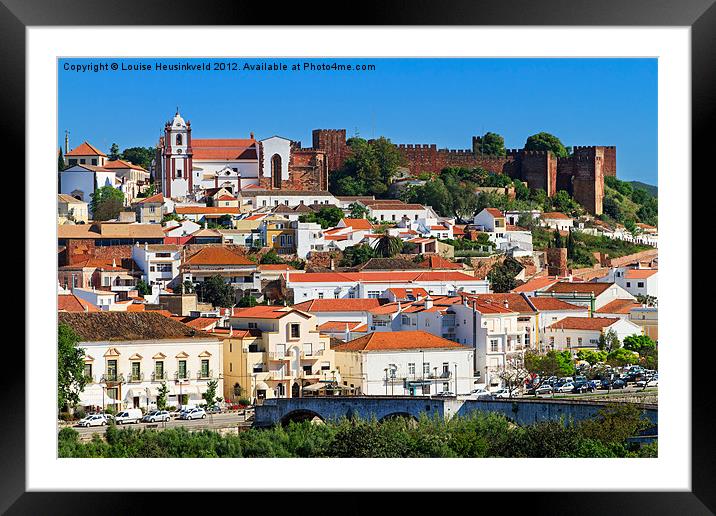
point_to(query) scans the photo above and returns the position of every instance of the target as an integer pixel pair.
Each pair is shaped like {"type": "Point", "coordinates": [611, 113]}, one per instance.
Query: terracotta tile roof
{"type": "Point", "coordinates": [566, 287]}
{"type": "Point", "coordinates": [262, 312]}
{"type": "Point", "coordinates": [438, 228]}
{"type": "Point", "coordinates": [495, 212]}
{"type": "Point", "coordinates": [400, 340]}
{"type": "Point", "coordinates": [136, 307]}
{"type": "Point", "coordinates": [340, 326]}
{"type": "Point", "coordinates": [218, 256]}
{"type": "Point", "coordinates": [223, 149]}
{"type": "Point", "coordinates": [68, 199]}
{"type": "Point", "coordinates": [536, 284]}
{"type": "Point", "coordinates": [201, 210]}
{"type": "Point", "coordinates": [584, 323]}
{"type": "Point", "coordinates": [233, 333]}
{"type": "Point", "coordinates": [85, 149]}
{"type": "Point", "coordinates": [619, 306]}
{"type": "Point", "coordinates": [227, 198]}
{"type": "Point", "coordinates": [403, 293]}
{"type": "Point", "coordinates": [157, 198]}
{"type": "Point", "coordinates": [275, 267]}
{"type": "Point", "coordinates": [122, 164]}
{"type": "Point", "coordinates": [438, 262]}
{"type": "Point", "coordinates": [552, 303]}
{"type": "Point", "coordinates": [358, 223]}
{"type": "Point", "coordinates": [118, 326]}
{"type": "Point", "coordinates": [383, 277]}
{"type": "Point", "coordinates": [202, 323]}
{"type": "Point", "coordinates": [555, 215]}
{"type": "Point", "coordinates": [390, 264]}
{"type": "Point", "coordinates": [511, 227]}
{"type": "Point", "coordinates": [639, 273]}
{"type": "Point", "coordinates": [72, 303]}
{"type": "Point", "coordinates": [495, 303]}
{"type": "Point", "coordinates": [338, 305]}
{"type": "Point", "coordinates": [457, 230]}
{"type": "Point", "coordinates": [110, 230]}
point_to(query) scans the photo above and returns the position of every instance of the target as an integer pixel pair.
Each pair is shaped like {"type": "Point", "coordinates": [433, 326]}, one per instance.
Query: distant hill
{"type": "Point", "coordinates": [651, 189]}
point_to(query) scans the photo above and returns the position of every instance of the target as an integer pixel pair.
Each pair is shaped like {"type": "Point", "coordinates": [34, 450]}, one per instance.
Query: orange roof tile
{"type": "Point", "coordinates": [584, 323]}
{"type": "Point", "coordinates": [639, 273]}
{"type": "Point", "coordinates": [121, 164]}
{"type": "Point", "coordinates": [275, 267]}
{"type": "Point", "coordinates": [358, 223]}
{"type": "Point", "coordinates": [72, 303]}
{"type": "Point", "coordinates": [398, 341]}
{"type": "Point", "coordinates": [619, 306]}
{"type": "Point", "coordinates": [567, 287]}
{"type": "Point", "coordinates": [495, 212]}
{"type": "Point", "coordinates": [340, 326]}
{"type": "Point", "coordinates": [555, 215]}
{"type": "Point", "coordinates": [338, 305]}
{"type": "Point", "coordinates": [200, 210]}
{"type": "Point", "coordinates": [438, 262]}
{"type": "Point", "coordinates": [552, 303]}
{"type": "Point", "coordinates": [380, 276]}
{"type": "Point", "coordinates": [157, 198]}
{"type": "Point", "coordinates": [536, 284]}
{"type": "Point", "coordinates": [262, 312]}
{"type": "Point", "coordinates": [85, 149]}
{"type": "Point", "coordinates": [218, 256]}
{"type": "Point", "coordinates": [223, 149]}
{"type": "Point", "coordinates": [203, 323]}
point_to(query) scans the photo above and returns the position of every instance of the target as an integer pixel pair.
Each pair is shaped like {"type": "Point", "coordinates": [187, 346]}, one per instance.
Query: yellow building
{"type": "Point", "coordinates": [275, 351]}
{"type": "Point", "coordinates": [69, 208]}
{"type": "Point", "coordinates": [278, 235]}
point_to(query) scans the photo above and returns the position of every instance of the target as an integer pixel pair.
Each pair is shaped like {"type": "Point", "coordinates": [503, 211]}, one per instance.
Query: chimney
{"type": "Point", "coordinates": [506, 303]}
{"type": "Point", "coordinates": [114, 262]}
{"type": "Point", "coordinates": [333, 264]}
{"type": "Point", "coordinates": [428, 303]}
{"type": "Point", "coordinates": [348, 333]}
{"type": "Point", "coordinates": [146, 246]}
{"type": "Point", "coordinates": [251, 134]}
{"type": "Point", "coordinates": [67, 142]}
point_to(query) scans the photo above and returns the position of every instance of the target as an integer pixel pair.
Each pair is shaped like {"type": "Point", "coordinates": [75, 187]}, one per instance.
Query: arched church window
{"type": "Point", "coordinates": [179, 140]}
{"type": "Point", "coordinates": [276, 170]}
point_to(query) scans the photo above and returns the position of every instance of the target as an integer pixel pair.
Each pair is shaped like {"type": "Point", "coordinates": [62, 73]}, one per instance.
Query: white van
{"type": "Point", "coordinates": [133, 415]}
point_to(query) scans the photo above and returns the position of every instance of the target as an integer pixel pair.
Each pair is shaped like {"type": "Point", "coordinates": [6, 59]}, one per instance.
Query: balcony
{"type": "Point", "coordinates": [159, 377]}
{"type": "Point", "coordinates": [112, 378]}
{"type": "Point", "coordinates": [205, 375]}
{"type": "Point", "coordinates": [276, 355]}
{"type": "Point", "coordinates": [315, 353]}
{"type": "Point", "coordinates": [135, 378]}
{"type": "Point", "coordinates": [442, 374]}
{"type": "Point", "coordinates": [182, 376]}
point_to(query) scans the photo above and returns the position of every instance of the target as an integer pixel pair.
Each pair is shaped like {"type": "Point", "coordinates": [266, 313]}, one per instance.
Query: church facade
{"type": "Point", "coordinates": [185, 166]}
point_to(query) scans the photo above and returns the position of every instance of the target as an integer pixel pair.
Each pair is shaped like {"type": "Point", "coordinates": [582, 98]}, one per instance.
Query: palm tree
{"type": "Point", "coordinates": [388, 246]}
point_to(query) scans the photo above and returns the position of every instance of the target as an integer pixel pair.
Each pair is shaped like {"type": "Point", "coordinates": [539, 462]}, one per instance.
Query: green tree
{"type": "Point", "coordinates": [271, 257]}
{"type": "Point", "coordinates": [60, 161]}
{"type": "Point", "coordinates": [162, 396]}
{"type": "Point", "coordinates": [106, 203]}
{"type": "Point", "coordinates": [357, 210]}
{"type": "Point", "coordinates": [141, 156]}
{"type": "Point", "coordinates": [647, 300]}
{"type": "Point", "coordinates": [622, 357]}
{"type": "Point", "coordinates": [592, 356]}
{"type": "Point", "coordinates": [557, 239]}
{"type": "Point", "coordinates": [187, 287]}
{"type": "Point", "coordinates": [609, 341]}
{"type": "Point", "coordinates": [357, 254]}
{"type": "Point", "coordinates": [247, 302]}
{"type": "Point", "coordinates": [210, 394]}
{"type": "Point", "coordinates": [522, 191]}
{"type": "Point", "coordinates": [501, 278]}
{"type": "Point", "coordinates": [369, 168]}
{"type": "Point", "coordinates": [639, 343]}
{"type": "Point", "coordinates": [327, 217]}
{"type": "Point", "coordinates": [546, 142]}
{"type": "Point", "coordinates": [71, 379]}
{"type": "Point", "coordinates": [171, 216]}
{"type": "Point", "coordinates": [570, 245]}
{"type": "Point", "coordinates": [143, 288]}
{"type": "Point", "coordinates": [490, 144]}
{"type": "Point", "coordinates": [388, 246]}
{"type": "Point", "coordinates": [564, 203]}
{"type": "Point", "coordinates": [114, 152]}
{"type": "Point", "coordinates": [215, 291]}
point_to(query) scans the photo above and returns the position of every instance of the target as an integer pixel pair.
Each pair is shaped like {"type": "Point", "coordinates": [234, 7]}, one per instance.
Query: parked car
{"type": "Point", "coordinates": [582, 386]}
{"type": "Point", "coordinates": [215, 409]}
{"type": "Point", "coordinates": [195, 413]}
{"type": "Point", "coordinates": [480, 394]}
{"type": "Point", "coordinates": [157, 415]}
{"type": "Point", "coordinates": [619, 384]}
{"type": "Point", "coordinates": [446, 394]}
{"type": "Point", "coordinates": [566, 387]}
{"type": "Point", "coordinates": [93, 420]}
{"type": "Point", "coordinates": [544, 389]}
{"type": "Point", "coordinates": [128, 416]}
{"type": "Point", "coordinates": [504, 393]}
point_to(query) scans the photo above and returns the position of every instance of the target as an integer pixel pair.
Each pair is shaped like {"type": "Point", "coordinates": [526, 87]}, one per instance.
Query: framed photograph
{"type": "Point", "coordinates": [418, 253]}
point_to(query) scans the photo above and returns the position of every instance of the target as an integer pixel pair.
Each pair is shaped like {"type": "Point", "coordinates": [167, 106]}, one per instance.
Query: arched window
{"type": "Point", "coordinates": [276, 170]}
{"type": "Point", "coordinates": [179, 139]}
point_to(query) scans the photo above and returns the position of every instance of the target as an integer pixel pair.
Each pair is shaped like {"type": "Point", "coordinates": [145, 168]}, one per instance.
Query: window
{"type": "Point", "coordinates": [205, 368]}
{"type": "Point", "coordinates": [494, 345]}
{"type": "Point", "coordinates": [320, 295]}
{"type": "Point", "coordinates": [182, 369]}
{"type": "Point", "coordinates": [136, 371]}
{"type": "Point", "coordinates": [295, 331]}
{"type": "Point", "coordinates": [405, 320]}
{"type": "Point", "coordinates": [446, 386]}
{"type": "Point", "coordinates": [640, 284]}
{"type": "Point", "coordinates": [628, 283]}
{"type": "Point", "coordinates": [82, 161]}
{"type": "Point", "coordinates": [106, 281]}
{"type": "Point", "coordinates": [373, 294]}
{"type": "Point", "coordinates": [88, 370]}
{"type": "Point", "coordinates": [164, 267]}
{"type": "Point", "coordinates": [159, 370]}
{"type": "Point", "coordinates": [179, 172]}
{"type": "Point", "coordinates": [111, 370]}
{"type": "Point", "coordinates": [446, 367]}
{"type": "Point", "coordinates": [579, 341]}
{"type": "Point", "coordinates": [94, 161]}
{"type": "Point", "coordinates": [179, 139]}
{"type": "Point", "coordinates": [569, 341]}
{"type": "Point", "coordinates": [551, 341]}
{"type": "Point", "coordinates": [426, 368]}
{"type": "Point", "coordinates": [253, 325]}
{"type": "Point", "coordinates": [276, 170]}
{"type": "Point", "coordinates": [426, 389]}
{"type": "Point", "coordinates": [411, 368]}
{"type": "Point", "coordinates": [231, 366]}
{"type": "Point", "coordinates": [152, 209]}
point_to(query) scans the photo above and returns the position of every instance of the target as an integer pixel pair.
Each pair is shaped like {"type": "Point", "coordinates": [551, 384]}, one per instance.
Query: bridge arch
{"type": "Point", "coordinates": [301, 415]}
{"type": "Point", "coordinates": [399, 415]}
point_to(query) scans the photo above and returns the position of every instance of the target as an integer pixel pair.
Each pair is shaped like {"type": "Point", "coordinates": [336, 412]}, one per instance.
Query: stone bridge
{"type": "Point", "coordinates": [521, 411]}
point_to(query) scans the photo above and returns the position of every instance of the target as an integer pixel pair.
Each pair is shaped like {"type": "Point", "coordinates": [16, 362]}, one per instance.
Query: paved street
{"type": "Point", "coordinates": [214, 421]}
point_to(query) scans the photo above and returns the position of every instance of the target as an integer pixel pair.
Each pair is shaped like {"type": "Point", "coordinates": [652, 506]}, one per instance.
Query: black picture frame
{"type": "Point", "coordinates": [699, 15]}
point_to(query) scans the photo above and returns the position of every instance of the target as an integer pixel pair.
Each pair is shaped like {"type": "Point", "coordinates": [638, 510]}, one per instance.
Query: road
{"type": "Point", "coordinates": [212, 421]}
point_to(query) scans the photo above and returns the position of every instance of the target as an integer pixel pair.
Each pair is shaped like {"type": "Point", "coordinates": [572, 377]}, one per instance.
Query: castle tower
{"type": "Point", "coordinates": [333, 143]}
{"type": "Point", "coordinates": [177, 158]}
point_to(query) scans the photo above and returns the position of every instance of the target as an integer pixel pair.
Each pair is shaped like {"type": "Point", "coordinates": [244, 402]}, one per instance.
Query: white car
{"type": "Point", "coordinates": [504, 393]}
{"type": "Point", "coordinates": [195, 413]}
{"type": "Point", "coordinates": [567, 387]}
{"type": "Point", "coordinates": [480, 394]}
{"type": "Point", "coordinates": [93, 420]}
{"type": "Point", "coordinates": [157, 415]}
{"type": "Point", "coordinates": [128, 416]}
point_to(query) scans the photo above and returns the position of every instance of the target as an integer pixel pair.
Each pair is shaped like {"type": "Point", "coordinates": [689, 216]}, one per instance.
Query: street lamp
{"type": "Point", "coordinates": [386, 380]}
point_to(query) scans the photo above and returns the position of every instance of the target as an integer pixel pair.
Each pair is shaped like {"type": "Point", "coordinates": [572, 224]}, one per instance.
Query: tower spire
{"type": "Point", "coordinates": [67, 142]}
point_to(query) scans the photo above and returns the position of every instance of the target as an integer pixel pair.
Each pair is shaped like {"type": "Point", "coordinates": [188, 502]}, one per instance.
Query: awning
{"type": "Point", "coordinates": [261, 386]}
{"type": "Point", "coordinates": [136, 391]}
{"type": "Point", "coordinates": [315, 387]}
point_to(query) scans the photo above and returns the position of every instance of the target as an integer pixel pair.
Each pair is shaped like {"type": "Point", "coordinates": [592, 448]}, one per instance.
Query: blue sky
{"type": "Point", "coordinates": [441, 101]}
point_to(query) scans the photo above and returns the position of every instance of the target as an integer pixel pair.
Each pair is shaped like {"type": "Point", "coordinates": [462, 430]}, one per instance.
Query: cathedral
{"type": "Point", "coordinates": [185, 166]}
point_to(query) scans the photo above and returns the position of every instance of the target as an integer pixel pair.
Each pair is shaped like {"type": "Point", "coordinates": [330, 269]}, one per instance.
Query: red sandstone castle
{"type": "Point", "coordinates": [581, 175]}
